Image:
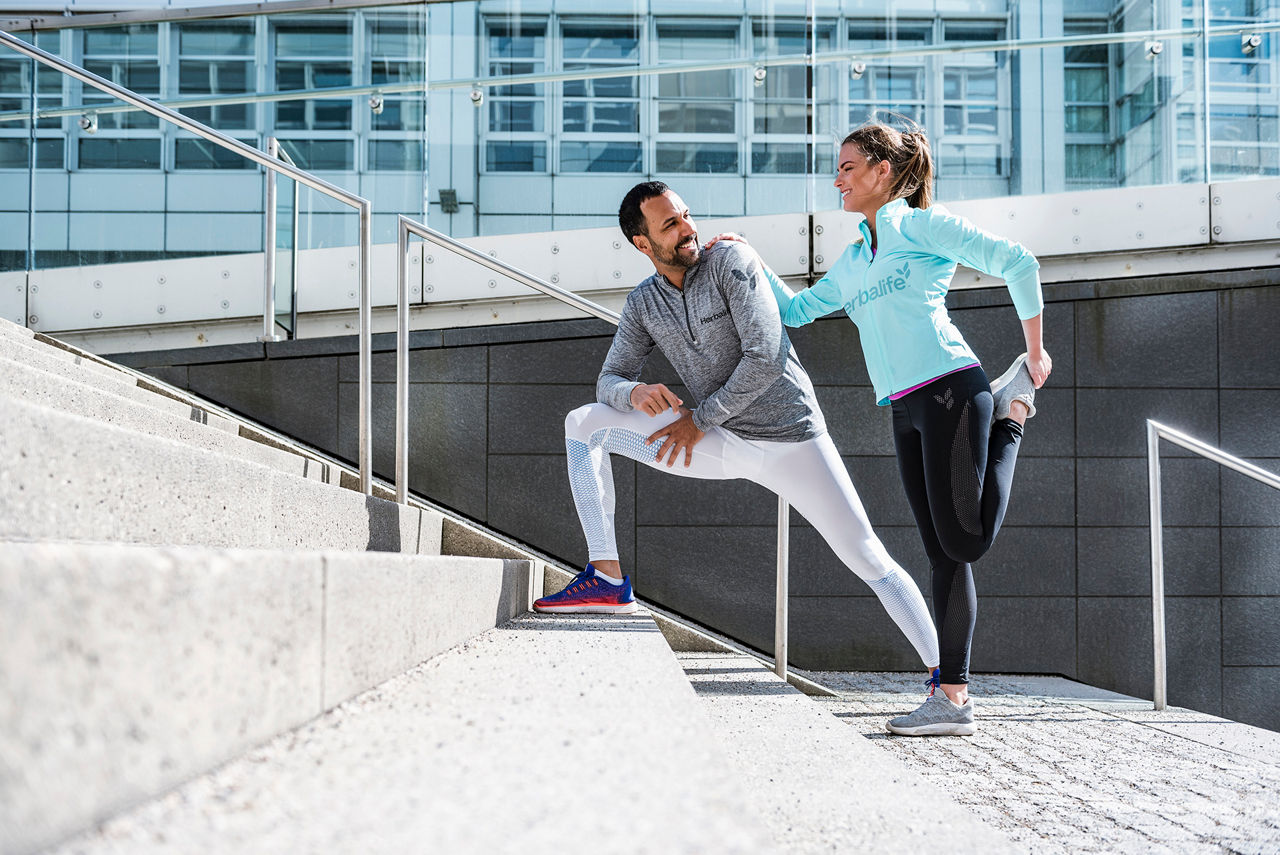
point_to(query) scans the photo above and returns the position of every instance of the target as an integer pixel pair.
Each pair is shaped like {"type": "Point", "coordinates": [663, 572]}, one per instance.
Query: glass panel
{"type": "Point", "coordinates": [395, 155]}
{"type": "Point", "coordinates": [600, 157]}
{"type": "Point", "coordinates": [314, 155]}
{"type": "Point", "coordinates": [197, 153]}
{"type": "Point", "coordinates": [517, 157]}
{"type": "Point", "coordinates": [696, 157]}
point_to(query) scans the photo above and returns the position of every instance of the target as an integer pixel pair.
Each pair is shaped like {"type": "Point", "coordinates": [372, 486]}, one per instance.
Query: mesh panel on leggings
{"type": "Point", "coordinates": [964, 478]}
{"type": "Point", "coordinates": [904, 603]}
{"type": "Point", "coordinates": [591, 480]}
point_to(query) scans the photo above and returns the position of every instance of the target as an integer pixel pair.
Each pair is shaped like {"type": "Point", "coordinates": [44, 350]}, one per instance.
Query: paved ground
{"type": "Point", "coordinates": [1061, 767]}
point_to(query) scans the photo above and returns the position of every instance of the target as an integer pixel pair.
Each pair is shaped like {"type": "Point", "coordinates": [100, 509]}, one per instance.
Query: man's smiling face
{"type": "Point", "coordinates": [670, 233]}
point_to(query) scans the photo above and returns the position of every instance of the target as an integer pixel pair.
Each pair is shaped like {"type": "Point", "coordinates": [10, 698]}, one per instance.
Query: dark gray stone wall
{"type": "Point", "coordinates": [1065, 590]}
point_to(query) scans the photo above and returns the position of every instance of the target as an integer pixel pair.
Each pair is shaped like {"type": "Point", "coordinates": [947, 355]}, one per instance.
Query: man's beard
{"type": "Point", "coordinates": [678, 259]}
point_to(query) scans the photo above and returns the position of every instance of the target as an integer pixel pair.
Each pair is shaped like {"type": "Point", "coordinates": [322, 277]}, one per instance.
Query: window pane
{"type": "Point", "coordinates": [1090, 162]}
{"type": "Point", "coordinates": [980, 85]}
{"type": "Point", "coordinates": [320, 154]}
{"type": "Point", "coordinates": [202, 154]}
{"type": "Point", "coordinates": [1086, 120]}
{"type": "Point", "coordinates": [517, 156]}
{"type": "Point", "coordinates": [140, 75]}
{"type": "Point", "coordinates": [122, 41]}
{"type": "Point", "coordinates": [596, 117]}
{"type": "Point", "coordinates": [604, 43]}
{"type": "Point", "coordinates": [703, 84]}
{"type": "Point", "coordinates": [314, 39]}
{"type": "Point", "coordinates": [396, 71]}
{"type": "Point", "coordinates": [609, 87]}
{"type": "Point", "coordinates": [599, 157]}
{"type": "Point", "coordinates": [980, 121]}
{"type": "Point", "coordinates": [1240, 72]}
{"type": "Point", "coordinates": [395, 37]}
{"type": "Point", "coordinates": [900, 84]}
{"type": "Point", "coordinates": [215, 39]}
{"type": "Point", "coordinates": [1092, 54]}
{"type": "Point", "coordinates": [119, 154]}
{"type": "Point", "coordinates": [515, 116]}
{"type": "Point", "coordinates": [780, 118]}
{"type": "Point", "coordinates": [396, 155]}
{"type": "Point", "coordinates": [527, 42]}
{"type": "Point", "coordinates": [696, 157]}
{"type": "Point", "coordinates": [975, 160]}
{"type": "Point", "coordinates": [1233, 160]}
{"type": "Point", "coordinates": [696, 118]}
{"type": "Point", "coordinates": [953, 120]}
{"type": "Point", "coordinates": [1086, 84]}
{"type": "Point", "coordinates": [14, 153]}
{"type": "Point", "coordinates": [778, 158]}
{"type": "Point", "coordinates": [400, 115]}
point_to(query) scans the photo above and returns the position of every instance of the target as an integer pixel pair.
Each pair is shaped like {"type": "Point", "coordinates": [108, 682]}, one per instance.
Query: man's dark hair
{"type": "Point", "coordinates": [630, 219]}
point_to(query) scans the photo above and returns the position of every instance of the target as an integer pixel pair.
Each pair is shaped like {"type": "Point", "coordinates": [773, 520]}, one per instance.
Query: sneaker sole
{"type": "Point", "coordinates": [936, 729]}
{"type": "Point", "coordinates": [624, 609]}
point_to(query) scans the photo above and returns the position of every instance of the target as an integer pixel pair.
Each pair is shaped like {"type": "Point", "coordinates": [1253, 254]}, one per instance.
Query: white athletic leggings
{"type": "Point", "coordinates": [809, 474]}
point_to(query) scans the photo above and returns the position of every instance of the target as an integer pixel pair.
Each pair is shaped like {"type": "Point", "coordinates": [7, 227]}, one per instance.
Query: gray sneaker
{"type": "Point", "coordinates": [1014, 384]}
{"type": "Point", "coordinates": [937, 716]}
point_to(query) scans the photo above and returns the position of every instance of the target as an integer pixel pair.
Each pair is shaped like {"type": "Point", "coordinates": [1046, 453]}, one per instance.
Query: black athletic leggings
{"type": "Point", "coordinates": [957, 469]}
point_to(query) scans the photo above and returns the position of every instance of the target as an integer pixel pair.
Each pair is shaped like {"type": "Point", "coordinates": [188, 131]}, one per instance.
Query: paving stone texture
{"type": "Point", "coordinates": [1061, 767]}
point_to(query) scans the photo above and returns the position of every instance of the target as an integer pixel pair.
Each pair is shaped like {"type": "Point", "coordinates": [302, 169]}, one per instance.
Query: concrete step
{"type": "Point", "coordinates": [126, 670]}
{"type": "Point", "coordinates": [17, 332]}
{"type": "Point", "coordinates": [23, 382]}
{"type": "Point", "coordinates": [818, 785]}
{"type": "Point", "coordinates": [56, 362]}
{"type": "Point", "coordinates": [66, 477]}
{"type": "Point", "coordinates": [572, 734]}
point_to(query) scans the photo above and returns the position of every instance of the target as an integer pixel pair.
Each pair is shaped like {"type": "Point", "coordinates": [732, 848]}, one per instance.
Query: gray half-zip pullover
{"type": "Point", "coordinates": [724, 337]}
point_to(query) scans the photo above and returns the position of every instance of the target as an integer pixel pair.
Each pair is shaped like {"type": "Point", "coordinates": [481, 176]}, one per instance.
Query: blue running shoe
{"type": "Point", "coordinates": [587, 594]}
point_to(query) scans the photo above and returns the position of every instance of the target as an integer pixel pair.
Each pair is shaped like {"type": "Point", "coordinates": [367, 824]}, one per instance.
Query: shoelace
{"type": "Point", "coordinates": [934, 681]}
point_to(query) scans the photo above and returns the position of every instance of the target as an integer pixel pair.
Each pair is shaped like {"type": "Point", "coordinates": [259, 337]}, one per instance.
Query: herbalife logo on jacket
{"type": "Point", "coordinates": [895, 281]}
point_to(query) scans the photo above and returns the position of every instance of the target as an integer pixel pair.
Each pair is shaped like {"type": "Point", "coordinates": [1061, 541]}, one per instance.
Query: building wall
{"type": "Point", "coordinates": [1065, 590]}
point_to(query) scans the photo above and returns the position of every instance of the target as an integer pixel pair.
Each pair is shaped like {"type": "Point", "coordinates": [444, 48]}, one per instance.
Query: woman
{"type": "Point", "coordinates": [956, 436]}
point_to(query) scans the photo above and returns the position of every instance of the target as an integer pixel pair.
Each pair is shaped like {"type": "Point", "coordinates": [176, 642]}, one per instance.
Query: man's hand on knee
{"type": "Point", "coordinates": [654, 398]}
{"type": "Point", "coordinates": [682, 434]}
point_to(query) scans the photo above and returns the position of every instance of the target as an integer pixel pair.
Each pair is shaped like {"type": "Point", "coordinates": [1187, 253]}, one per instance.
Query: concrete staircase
{"type": "Point", "coordinates": [195, 613]}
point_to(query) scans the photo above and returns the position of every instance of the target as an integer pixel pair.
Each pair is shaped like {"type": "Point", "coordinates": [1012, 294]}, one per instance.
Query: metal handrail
{"type": "Point", "coordinates": [1155, 432]}
{"type": "Point", "coordinates": [407, 227]}
{"type": "Point", "coordinates": [272, 165]}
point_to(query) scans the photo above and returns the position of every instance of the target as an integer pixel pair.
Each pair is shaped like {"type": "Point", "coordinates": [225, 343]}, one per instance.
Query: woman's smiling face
{"type": "Point", "coordinates": [859, 180]}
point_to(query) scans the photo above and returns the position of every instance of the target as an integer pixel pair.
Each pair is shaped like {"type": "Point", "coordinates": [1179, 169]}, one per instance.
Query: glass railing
{"type": "Point", "coordinates": [490, 118]}
{"type": "Point", "coordinates": [83, 290]}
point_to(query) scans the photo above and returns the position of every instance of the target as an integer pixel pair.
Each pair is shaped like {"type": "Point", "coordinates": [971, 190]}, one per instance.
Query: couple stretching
{"type": "Point", "coordinates": [715, 315]}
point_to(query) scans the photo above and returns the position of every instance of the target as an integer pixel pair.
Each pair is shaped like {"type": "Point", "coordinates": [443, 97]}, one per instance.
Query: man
{"type": "Point", "coordinates": [713, 315]}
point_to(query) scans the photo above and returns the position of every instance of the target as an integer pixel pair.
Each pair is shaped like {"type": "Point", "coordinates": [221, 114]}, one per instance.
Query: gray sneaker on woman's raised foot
{"type": "Point", "coordinates": [1015, 384]}
{"type": "Point", "coordinates": [937, 716]}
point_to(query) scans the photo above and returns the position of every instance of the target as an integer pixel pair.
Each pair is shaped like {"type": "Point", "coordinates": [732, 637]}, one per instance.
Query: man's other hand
{"type": "Point", "coordinates": [680, 435]}
{"type": "Point", "coordinates": [654, 398]}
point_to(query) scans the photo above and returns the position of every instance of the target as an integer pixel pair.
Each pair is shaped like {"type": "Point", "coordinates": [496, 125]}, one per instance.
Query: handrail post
{"type": "Point", "coordinates": [366, 349]}
{"type": "Point", "coordinates": [780, 618]}
{"type": "Point", "coordinates": [402, 362]}
{"type": "Point", "coordinates": [293, 266]}
{"type": "Point", "coordinates": [269, 245]}
{"type": "Point", "coordinates": [1159, 696]}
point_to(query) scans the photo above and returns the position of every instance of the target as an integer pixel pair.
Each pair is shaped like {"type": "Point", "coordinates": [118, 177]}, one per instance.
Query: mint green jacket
{"type": "Point", "coordinates": [898, 298]}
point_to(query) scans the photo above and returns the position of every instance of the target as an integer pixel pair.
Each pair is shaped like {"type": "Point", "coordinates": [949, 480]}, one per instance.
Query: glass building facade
{"type": "Point", "coordinates": [505, 116]}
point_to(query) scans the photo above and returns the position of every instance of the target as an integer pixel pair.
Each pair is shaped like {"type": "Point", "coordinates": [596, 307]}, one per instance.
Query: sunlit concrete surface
{"type": "Point", "coordinates": [1059, 766]}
